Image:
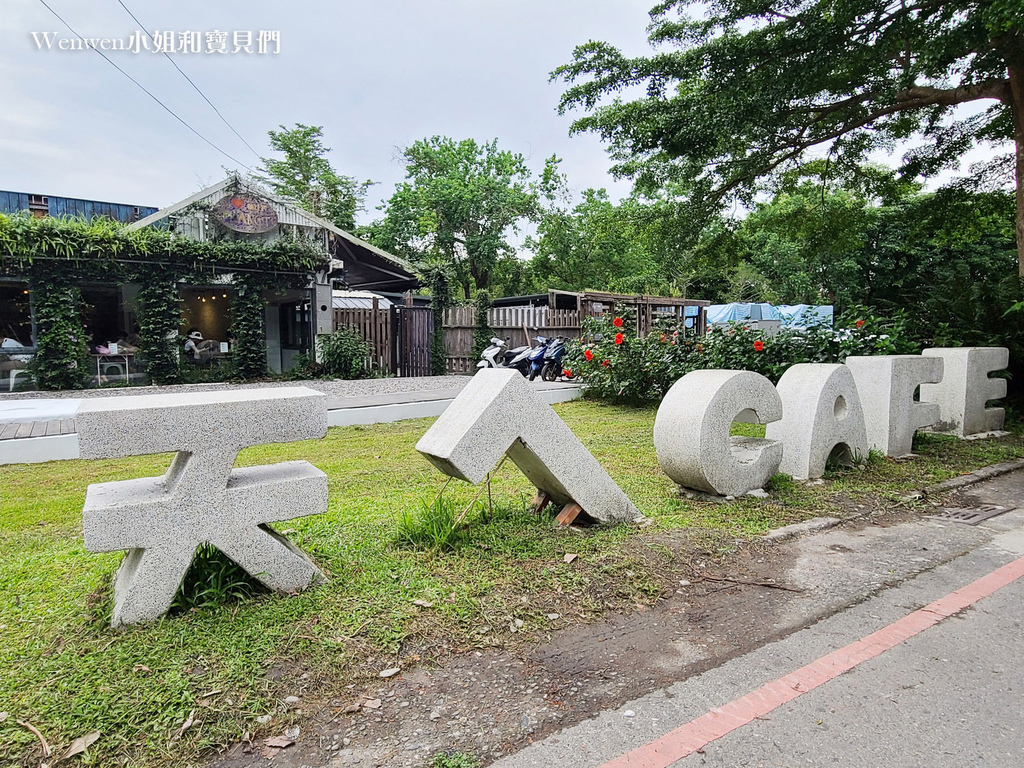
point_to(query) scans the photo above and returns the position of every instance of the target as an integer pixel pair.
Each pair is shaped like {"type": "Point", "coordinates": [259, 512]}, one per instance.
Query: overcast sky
{"type": "Point", "coordinates": [376, 75]}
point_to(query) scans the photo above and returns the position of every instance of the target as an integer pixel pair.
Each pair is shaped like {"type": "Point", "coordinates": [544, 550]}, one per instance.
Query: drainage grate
{"type": "Point", "coordinates": [971, 515]}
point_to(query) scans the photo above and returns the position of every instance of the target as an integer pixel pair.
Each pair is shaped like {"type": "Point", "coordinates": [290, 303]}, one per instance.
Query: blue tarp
{"type": "Point", "coordinates": [790, 315]}
{"type": "Point", "coordinates": [738, 313]}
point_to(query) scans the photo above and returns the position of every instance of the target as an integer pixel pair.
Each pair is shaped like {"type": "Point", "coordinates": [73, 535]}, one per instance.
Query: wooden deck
{"type": "Point", "coordinates": [14, 430]}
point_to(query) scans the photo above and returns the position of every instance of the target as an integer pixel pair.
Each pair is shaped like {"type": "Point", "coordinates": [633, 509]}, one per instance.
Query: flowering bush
{"type": "Point", "coordinates": [616, 365]}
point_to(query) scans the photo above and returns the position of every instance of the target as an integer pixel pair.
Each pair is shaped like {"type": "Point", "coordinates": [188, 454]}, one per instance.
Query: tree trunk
{"type": "Point", "coordinates": [1017, 106]}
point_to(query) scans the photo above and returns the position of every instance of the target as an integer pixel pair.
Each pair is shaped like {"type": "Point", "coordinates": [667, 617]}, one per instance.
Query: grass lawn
{"type": "Point", "coordinates": [225, 664]}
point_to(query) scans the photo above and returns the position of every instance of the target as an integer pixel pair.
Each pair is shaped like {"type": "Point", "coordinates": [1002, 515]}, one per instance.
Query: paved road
{"type": "Point", "coordinates": [949, 696]}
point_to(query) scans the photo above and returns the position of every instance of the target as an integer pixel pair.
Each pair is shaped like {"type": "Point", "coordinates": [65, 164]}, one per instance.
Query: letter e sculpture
{"type": "Point", "coordinates": [162, 520]}
{"type": "Point", "coordinates": [691, 432]}
{"type": "Point", "coordinates": [966, 387]}
{"type": "Point", "coordinates": [498, 413]}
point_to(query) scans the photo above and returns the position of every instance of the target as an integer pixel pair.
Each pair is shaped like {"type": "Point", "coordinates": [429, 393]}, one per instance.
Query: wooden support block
{"type": "Point", "coordinates": [568, 514]}
{"type": "Point", "coordinates": [540, 501]}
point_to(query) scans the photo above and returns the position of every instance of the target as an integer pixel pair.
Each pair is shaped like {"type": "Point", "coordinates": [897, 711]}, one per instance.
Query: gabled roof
{"type": "Point", "coordinates": [366, 265]}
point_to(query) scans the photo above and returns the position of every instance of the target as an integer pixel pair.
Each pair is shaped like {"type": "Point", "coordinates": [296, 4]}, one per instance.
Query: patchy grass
{"type": "Point", "coordinates": [67, 673]}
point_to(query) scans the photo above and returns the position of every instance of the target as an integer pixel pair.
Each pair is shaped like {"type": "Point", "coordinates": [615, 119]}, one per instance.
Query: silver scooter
{"type": "Point", "coordinates": [498, 355]}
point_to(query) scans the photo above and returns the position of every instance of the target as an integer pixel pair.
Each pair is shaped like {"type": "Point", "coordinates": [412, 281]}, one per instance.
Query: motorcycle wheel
{"type": "Point", "coordinates": [533, 373]}
{"type": "Point", "coordinates": [549, 373]}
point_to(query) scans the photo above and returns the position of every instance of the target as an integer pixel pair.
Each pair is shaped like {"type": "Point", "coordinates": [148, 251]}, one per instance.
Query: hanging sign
{"type": "Point", "coordinates": [245, 213]}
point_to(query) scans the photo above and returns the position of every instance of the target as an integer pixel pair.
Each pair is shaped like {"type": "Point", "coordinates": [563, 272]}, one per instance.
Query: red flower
{"type": "Point", "coordinates": [617, 322]}
{"type": "Point", "coordinates": [758, 345]}
{"type": "Point", "coordinates": [567, 373]}
{"type": "Point", "coordinates": [606, 363]}
{"type": "Point", "coordinates": [663, 338]}
{"type": "Point", "coordinates": [589, 355]}
{"type": "Point", "coordinates": [619, 338]}
{"type": "Point", "coordinates": [860, 323]}
{"type": "Point", "coordinates": [700, 347]}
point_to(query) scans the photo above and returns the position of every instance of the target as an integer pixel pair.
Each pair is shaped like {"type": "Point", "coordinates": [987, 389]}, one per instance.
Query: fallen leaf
{"type": "Point", "coordinates": [569, 557]}
{"type": "Point", "coordinates": [372, 703]}
{"type": "Point", "coordinates": [38, 735]}
{"type": "Point", "coordinates": [278, 742]}
{"type": "Point", "coordinates": [140, 668]}
{"type": "Point", "coordinates": [189, 722]}
{"type": "Point", "coordinates": [423, 603]}
{"type": "Point", "coordinates": [390, 672]}
{"type": "Point", "coordinates": [78, 746]}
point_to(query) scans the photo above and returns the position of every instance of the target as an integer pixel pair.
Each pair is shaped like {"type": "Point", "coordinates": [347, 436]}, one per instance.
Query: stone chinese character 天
{"type": "Point", "coordinates": [201, 499]}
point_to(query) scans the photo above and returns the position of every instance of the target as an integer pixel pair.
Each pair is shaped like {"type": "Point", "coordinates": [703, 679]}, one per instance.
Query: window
{"type": "Point", "coordinates": [16, 315]}
{"type": "Point", "coordinates": [295, 323]}
{"type": "Point", "coordinates": [39, 206]}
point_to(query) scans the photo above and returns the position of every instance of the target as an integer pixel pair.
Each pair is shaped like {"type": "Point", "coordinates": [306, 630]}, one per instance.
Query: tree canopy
{"type": "Point", "coordinates": [305, 175]}
{"type": "Point", "coordinates": [741, 90]}
{"type": "Point", "coordinates": [460, 204]}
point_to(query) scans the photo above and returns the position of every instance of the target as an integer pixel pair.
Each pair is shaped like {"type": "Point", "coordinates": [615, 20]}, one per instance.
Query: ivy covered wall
{"type": "Point", "coordinates": [58, 255]}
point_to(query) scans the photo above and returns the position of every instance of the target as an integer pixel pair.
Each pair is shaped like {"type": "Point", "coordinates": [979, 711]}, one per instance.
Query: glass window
{"type": "Point", "coordinates": [16, 314]}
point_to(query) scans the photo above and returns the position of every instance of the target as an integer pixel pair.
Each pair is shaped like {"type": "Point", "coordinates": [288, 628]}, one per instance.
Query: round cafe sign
{"type": "Point", "coordinates": [245, 213]}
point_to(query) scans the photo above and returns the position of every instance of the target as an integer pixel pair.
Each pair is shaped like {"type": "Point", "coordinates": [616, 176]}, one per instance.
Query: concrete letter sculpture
{"type": "Point", "coordinates": [161, 520]}
{"type": "Point", "coordinates": [820, 410]}
{"type": "Point", "coordinates": [691, 432]}
{"type": "Point", "coordinates": [886, 384]}
{"type": "Point", "coordinates": [965, 387]}
{"type": "Point", "coordinates": [498, 413]}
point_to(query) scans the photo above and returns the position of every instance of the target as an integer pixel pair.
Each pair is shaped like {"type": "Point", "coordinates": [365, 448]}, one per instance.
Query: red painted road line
{"type": "Point", "coordinates": [677, 744]}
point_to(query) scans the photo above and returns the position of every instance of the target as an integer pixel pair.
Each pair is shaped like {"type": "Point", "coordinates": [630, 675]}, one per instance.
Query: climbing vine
{"type": "Point", "coordinates": [159, 315]}
{"type": "Point", "coordinates": [248, 328]}
{"type": "Point", "coordinates": [481, 329]}
{"type": "Point", "coordinates": [62, 357]}
{"type": "Point", "coordinates": [439, 279]}
{"type": "Point", "coordinates": [59, 254]}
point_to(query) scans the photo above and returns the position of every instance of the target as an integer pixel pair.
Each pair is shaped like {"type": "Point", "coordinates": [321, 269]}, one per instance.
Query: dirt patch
{"type": "Point", "coordinates": [492, 702]}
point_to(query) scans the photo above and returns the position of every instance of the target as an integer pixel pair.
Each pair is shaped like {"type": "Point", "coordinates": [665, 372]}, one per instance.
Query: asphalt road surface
{"type": "Point", "coordinates": [939, 682]}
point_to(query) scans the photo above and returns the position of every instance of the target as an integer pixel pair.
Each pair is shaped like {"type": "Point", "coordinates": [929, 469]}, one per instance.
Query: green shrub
{"type": "Point", "coordinates": [616, 365]}
{"type": "Point", "coordinates": [344, 354]}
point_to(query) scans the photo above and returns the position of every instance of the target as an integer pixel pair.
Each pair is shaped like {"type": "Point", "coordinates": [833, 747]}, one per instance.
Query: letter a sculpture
{"type": "Point", "coordinates": [499, 414]}
{"type": "Point", "coordinates": [162, 520]}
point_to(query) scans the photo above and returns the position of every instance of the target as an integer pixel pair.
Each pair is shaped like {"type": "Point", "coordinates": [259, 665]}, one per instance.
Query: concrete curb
{"type": "Point", "coordinates": [818, 524]}
{"type": "Point", "coordinates": [985, 473]}
{"type": "Point", "coordinates": [795, 530]}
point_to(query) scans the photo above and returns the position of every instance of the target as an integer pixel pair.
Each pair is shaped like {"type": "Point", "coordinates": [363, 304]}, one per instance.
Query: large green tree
{"type": "Point", "coordinates": [591, 246]}
{"type": "Point", "coordinates": [461, 203]}
{"type": "Point", "coordinates": [743, 88]}
{"type": "Point", "coordinates": [304, 174]}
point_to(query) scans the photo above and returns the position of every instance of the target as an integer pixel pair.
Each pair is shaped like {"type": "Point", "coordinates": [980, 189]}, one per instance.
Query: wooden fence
{"type": "Point", "coordinates": [505, 323]}
{"type": "Point", "coordinates": [400, 336]}
{"type": "Point", "coordinates": [375, 326]}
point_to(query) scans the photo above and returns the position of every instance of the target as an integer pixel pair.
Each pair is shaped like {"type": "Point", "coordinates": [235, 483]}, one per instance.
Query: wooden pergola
{"type": "Point", "coordinates": [648, 308]}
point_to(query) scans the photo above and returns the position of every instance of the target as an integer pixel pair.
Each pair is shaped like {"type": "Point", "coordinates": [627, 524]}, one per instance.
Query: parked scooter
{"type": "Point", "coordinates": [536, 357]}
{"type": "Point", "coordinates": [553, 357]}
{"type": "Point", "coordinates": [498, 355]}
